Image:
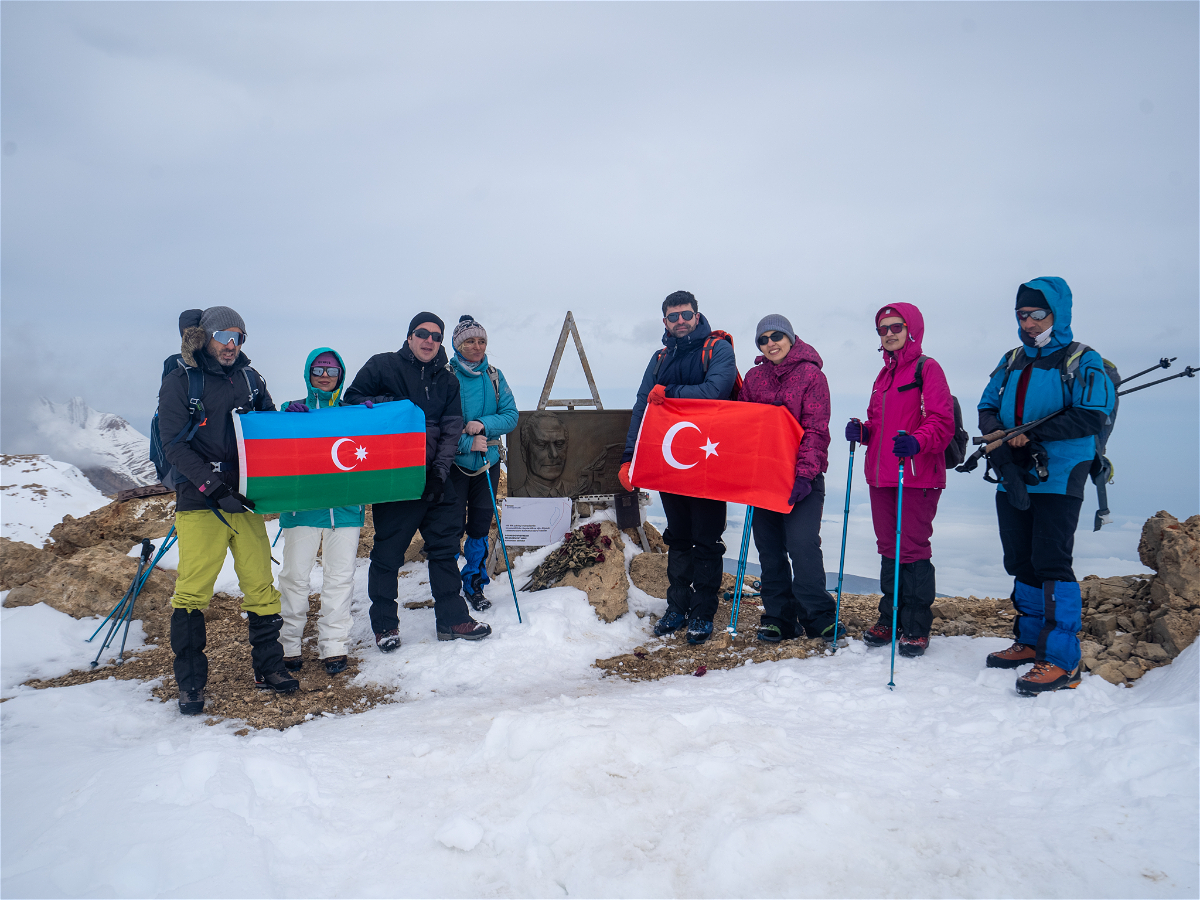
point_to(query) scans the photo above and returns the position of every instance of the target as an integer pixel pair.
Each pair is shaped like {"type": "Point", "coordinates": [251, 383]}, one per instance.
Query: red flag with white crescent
{"type": "Point", "coordinates": [720, 449]}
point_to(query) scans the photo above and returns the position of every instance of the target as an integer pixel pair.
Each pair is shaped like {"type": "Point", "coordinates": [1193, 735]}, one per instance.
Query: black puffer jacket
{"type": "Point", "coordinates": [432, 386]}
{"type": "Point", "coordinates": [225, 390]}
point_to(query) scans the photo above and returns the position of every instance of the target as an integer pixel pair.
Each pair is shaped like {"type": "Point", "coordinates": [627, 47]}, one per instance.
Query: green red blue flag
{"type": "Point", "coordinates": [343, 456]}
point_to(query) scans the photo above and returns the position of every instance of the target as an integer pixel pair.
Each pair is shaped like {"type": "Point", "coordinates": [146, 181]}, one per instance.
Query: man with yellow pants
{"type": "Point", "coordinates": [211, 519]}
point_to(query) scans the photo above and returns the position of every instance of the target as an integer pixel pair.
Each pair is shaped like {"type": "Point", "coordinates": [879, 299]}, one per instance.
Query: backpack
{"type": "Point", "coordinates": [956, 450]}
{"type": "Point", "coordinates": [1102, 469]}
{"type": "Point", "coordinates": [706, 354]}
{"type": "Point", "coordinates": [168, 475]}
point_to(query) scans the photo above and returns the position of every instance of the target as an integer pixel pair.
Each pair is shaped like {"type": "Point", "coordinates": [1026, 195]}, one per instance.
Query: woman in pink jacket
{"type": "Point", "coordinates": [922, 407]}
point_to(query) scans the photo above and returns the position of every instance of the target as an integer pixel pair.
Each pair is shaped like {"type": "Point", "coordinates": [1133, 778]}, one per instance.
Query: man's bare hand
{"type": "Point", "coordinates": [1019, 440]}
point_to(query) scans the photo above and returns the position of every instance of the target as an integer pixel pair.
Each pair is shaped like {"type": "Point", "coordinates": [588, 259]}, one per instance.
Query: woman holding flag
{"type": "Point", "coordinates": [795, 600]}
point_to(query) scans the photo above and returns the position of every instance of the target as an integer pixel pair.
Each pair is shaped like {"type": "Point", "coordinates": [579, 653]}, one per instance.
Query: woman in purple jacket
{"type": "Point", "coordinates": [794, 598]}
{"type": "Point", "coordinates": [922, 408]}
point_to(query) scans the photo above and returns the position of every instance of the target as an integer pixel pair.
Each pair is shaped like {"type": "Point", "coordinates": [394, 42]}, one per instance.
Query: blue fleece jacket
{"type": "Point", "coordinates": [480, 404]}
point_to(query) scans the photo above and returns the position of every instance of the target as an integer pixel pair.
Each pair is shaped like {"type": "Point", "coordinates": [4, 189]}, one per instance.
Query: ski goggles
{"type": "Point", "coordinates": [775, 336]}
{"type": "Point", "coordinates": [1036, 314]}
{"type": "Point", "coordinates": [224, 337]}
{"type": "Point", "coordinates": [894, 328]}
{"type": "Point", "coordinates": [322, 371]}
{"type": "Point", "coordinates": [687, 315]}
{"type": "Point", "coordinates": [423, 333]}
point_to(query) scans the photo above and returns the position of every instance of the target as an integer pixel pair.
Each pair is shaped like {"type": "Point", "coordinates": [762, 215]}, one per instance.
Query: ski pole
{"type": "Point", "coordinates": [741, 570]}
{"type": "Point", "coordinates": [500, 531]}
{"type": "Point", "coordinates": [837, 616]}
{"type": "Point", "coordinates": [896, 576]}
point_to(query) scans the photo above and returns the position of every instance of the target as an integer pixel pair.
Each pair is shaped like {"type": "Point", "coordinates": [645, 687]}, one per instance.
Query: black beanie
{"type": "Point", "coordinates": [428, 317]}
{"type": "Point", "coordinates": [1031, 297]}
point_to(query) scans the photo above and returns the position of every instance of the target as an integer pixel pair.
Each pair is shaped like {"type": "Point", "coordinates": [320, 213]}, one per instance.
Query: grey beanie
{"type": "Point", "coordinates": [775, 322]}
{"type": "Point", "coordinates": [219, 318]}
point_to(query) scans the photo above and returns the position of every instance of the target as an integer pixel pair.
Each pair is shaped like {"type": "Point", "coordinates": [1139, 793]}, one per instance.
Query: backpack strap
{"type": "Point", "coordinates": [710, 343]}
{"type": "Point", "coordinates": [196, 416]}
{"type": "Point", "coordinates": [658, 358]}
{"type": "Point", "coordinates": [254, 384]}
{"type": "Point", "coordinates": [494, 374]}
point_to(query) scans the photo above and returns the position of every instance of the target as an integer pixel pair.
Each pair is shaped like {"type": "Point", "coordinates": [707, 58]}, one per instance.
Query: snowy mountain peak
{"type": "Point", "coordinates": [109, 451]}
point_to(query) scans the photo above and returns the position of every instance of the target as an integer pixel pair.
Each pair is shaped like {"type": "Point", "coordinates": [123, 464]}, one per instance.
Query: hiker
{"type": "Point", "coordinates": [211, 518]}
{"type": "Point", "coordinates": [334, 532]}
{"type": "Point", "coordinates": [921, 406]}
{"type": "Point", "coordinates": [489, 411]}
{"type": "Point", "coordinates": [1037, 517]}
{"type": "Point", "coordinates": [419, 372]}
{"type": "Point", "coordinates": [697, 364]}
{"type": "Point", "coordinates": [795, 601]}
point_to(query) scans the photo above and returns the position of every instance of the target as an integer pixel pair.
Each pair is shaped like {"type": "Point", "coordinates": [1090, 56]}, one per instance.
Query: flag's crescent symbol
{"type": "Point", "coordinates": [334, 451]}
{"type": "Point", "coordinates": [670, 436]}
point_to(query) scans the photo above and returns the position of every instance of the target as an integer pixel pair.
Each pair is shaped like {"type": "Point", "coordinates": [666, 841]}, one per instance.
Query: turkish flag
{"type": "Point", "coordinates": [720, 449]}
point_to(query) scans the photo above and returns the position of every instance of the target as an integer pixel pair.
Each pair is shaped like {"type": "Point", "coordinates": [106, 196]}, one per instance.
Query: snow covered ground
{"type": "Point", "coordinates": [512, 769]}
{"type": "Point", "coordinates": [38, 491]}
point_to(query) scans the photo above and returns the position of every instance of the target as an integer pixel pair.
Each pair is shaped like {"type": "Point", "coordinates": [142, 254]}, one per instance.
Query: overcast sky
{"type": "Point", "coordinates": [330, 169]}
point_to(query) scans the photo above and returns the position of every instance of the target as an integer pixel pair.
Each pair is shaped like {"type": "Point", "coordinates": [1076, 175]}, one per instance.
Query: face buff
{"type": "Point", "coordinates": [1041, 340]}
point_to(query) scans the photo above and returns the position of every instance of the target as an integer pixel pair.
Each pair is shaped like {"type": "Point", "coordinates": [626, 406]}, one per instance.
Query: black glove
{"type": "Point", "coordinates": [230, 501]}
{"type": "Point", "coordinates": [435, 488]}
{"type": "Point", "coordinates": [1014, 473]}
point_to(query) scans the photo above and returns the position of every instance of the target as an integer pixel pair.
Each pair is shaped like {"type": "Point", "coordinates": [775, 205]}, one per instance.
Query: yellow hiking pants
{"type": "Point", "coordinates": [203, 542]}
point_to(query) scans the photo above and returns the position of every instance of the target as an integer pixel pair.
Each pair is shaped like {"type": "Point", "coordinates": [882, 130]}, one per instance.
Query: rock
{"type": "Point", "coordinates": [649, 572]}
{"type": "Point", "coordinates": [1132, 669]}
{"type": "Point", "coordinates": [119, 525]}
{"type": "Point", "coordinates": [1102, 626]}
{"type": "Point", "coordinates": [21, 562]}
{"type": "Point", "coordinates": [1172, 549]}
{"type": "Point", "coordinates": [1091, 648]}
{"type": "Point", "coordinates": [1122, 646]}
{"type": "Point", "coordinates": [721, 640]}
{"type": "Point", "coordinates": [653, 538]}
{"type": "Point", "coordinates": [605, 583]}
{"type": "Point", "coordinates": [1152, 652]}
{"type": "Point", "coordinates": [1110, 672]}
{"type": "Point", "coordinates": [1174, 632]}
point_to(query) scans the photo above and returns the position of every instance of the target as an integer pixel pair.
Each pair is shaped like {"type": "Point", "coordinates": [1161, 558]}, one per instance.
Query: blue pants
{"type": "Point", "coordinates": [1038, 543]}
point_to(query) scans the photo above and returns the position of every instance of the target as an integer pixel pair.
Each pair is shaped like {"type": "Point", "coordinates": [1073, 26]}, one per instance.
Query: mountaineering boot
{"type": "Point", "coordinates": [772, 634]}
{"type": "Point", "coordinates": [670, 623]}
{"type": "Point", "coordinates": [912, 646]}
{"type": "Point", "coordinates": [469, 630]}
{"type": "Point", "coordinates": [475, 596]}
{"type": "Point", "coordinates": [387, 641]}
{"type": "Point", "coordinates": [699, 631]}
{"type": "Point", "coordinates": [1017, 655]}
{"type": "Point", "coordinates": [266, 654]}
{"type": "Point", "coordinates": [188, 639]}
{"type": "Point", "coordinates": [878, 634]}
{"type": "Point", "coordinates": [827, 634]}
{"type": "Point", "coordinates": [474, 573]}
{"type": "Point", "coordinates": [293, 663]}
{"type": "Point", "coordinates": [1045, 677]}
{"type": "Point", "coordinates": [335, 664]}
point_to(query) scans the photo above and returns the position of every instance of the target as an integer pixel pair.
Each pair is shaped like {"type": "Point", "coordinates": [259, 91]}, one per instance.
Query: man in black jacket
{"type": "Point", "coordinates": [418, 371]}
{"type": "Point", "coordinates": [210, 518]}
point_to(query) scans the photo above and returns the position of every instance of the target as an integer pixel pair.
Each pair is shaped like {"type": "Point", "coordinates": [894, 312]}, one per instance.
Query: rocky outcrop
{"type": "Point", "coordinates": [118, 525]}
{"type": "Point", "coordinates": [604, 581]}
{"type": "Point", "coordinates": [21, 563]}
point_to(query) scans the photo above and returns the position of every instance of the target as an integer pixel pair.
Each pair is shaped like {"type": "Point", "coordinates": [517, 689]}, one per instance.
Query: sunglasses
{"type": "Point", "coordinates": [894, 328]}
{"type": "Point", "coordinates": [435, 336]}
{"type": "Point", "coordinates": [775, 336]}
{"type": "Point", "coordinates": [224, 337]}
{"type": "Point", "coordinates": [687, 316]}
{"type": "Point", "coordinates": [322, 371]}
{"type": "Point", "coordinates": [1036, 314]}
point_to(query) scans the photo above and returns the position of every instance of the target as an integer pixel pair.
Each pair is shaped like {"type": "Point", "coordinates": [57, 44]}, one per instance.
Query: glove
{"type": "Point", "coordinates": [905, 445]}
{"type": "Point", "coordinates": [435, 489]}
{"type": "Point", "coordinates": [231, 504]}
{"type": "Point", "coordinates": [623, 476]}
{"type": "Point", "coordinates": [658, 395]}
{"type": "Point", "coordinates": [297, 406]}
{"type": "Point", "coordinates": [801, 489]}
{"type": "Point", "coordinates": [368, 404]}
{"type": "Point", "coordinates": [857, 431]}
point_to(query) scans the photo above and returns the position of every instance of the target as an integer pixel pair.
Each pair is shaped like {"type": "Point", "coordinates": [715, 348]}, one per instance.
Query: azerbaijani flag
{"type": "Point", "coordinates": [343, 456]}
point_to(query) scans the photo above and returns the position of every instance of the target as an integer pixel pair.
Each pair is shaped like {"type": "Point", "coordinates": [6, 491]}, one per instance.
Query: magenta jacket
{"type": "Point", "coordinates": [798, 384]}
{"type": "Point", "coordinates": [893, 408]}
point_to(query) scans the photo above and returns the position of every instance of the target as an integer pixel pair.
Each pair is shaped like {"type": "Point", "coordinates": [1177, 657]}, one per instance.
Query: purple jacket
{"type": "Point", "coordinates": [797, 383]}
{"type": "Point", "coordinates": [893, 408]}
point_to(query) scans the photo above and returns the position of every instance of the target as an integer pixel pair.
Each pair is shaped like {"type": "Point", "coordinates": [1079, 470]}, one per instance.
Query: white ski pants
{"type": "Point", "coordinates": [301, 543]}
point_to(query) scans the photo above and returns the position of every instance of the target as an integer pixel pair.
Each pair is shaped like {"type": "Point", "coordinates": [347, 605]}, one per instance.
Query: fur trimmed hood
{"type": "Point", "coordinates": [192, 345]}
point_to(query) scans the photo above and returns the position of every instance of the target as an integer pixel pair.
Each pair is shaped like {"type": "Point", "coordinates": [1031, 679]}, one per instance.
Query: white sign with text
{"type": "Point", "coordinates": [535, 521]}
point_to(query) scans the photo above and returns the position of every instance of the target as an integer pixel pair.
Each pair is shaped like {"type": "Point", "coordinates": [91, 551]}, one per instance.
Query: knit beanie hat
{"type": "Point", "coordinates": [1031, 297]}
{"type": "Point", "coordinates": [466, 328]}
{"type": "Point", "coordinates": [219, 318]}
{"type": "Point", "coordinates": [426, 317]}
{"type": "Point", "coordinates": [775, 322]}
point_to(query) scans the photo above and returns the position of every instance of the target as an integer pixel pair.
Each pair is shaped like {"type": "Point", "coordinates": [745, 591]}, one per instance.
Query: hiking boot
{"type": "Point", "coordinates": [912, 646]}
{"type": "Point", "coordinates": [387, 641]}
{"type": "Point", "coordinates": [772, 634]}
{"type": "Point", "coordinates": [1016, 655]}
{"type": "Point", "coordinates": [699, 631]}
{"type": "Point", "coordinates": [877, 635]}
{"type": "Point", "coordinates": [670, 623]}
{"type": "Point", "coordinates": [1045, 676]}
{"type": "Point", "coordinates": [479, 602]}
{"type": "Point", "coordinates": [191, 703]}
{"type": "Point", "coordinates": [827, 634]}
{"type": "Point", "coordinates": [293, 663]}
{"type": "Point", "coordinates": [469, 630]}
{"type": "Point", "coordinates": [335, 664]}
{"type": "Point", "coordinates": [280, 682]}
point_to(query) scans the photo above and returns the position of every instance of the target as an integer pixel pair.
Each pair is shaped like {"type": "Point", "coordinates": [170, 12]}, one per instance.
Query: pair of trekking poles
{"type": "Point", "coordinates": [122, 613]}
{"type": "Point", "coordinates": [837, 616]}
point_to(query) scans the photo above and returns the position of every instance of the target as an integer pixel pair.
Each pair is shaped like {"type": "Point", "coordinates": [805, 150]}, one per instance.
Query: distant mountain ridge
{"type": "Point", "coordinates": [110, 452]}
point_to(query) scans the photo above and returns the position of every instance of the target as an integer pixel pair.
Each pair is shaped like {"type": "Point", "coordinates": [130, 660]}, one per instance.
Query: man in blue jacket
{"type": "Point", "coordinates": [1047, 373]}
{"type": "Point", "coordinates": [694, 524]}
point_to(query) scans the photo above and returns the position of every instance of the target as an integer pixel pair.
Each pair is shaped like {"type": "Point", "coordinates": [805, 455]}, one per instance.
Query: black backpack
{"type": "Point", "coordinates": [956, 450]}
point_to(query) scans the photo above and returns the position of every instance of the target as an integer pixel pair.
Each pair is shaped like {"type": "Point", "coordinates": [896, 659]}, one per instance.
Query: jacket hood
{"type": "Point", "coordinates": [690, 341]}
{"type": "Point", "coordinates": [916, 330]}
{"type": "Point", "coordinates": [192, 346]}
{"type": "Point", "coordinates": [800, 353]}
{"type": "Point", "coordinates": [464, 368]}
{"type": "Point", "coordinates": [318, 399]}
{"type": "Point", "coordinates": [1058, 295]}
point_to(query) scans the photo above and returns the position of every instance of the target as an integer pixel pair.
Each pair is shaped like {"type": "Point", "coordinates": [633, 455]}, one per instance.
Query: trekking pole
{"type": "Point", "coordinates": [500, 531]}
{"type": "Point", "coordinates": [990, 442]}
{"type": "Point", "coordinates": [1163, 363]}
{"type": "Point", "coordinates": [1188, 372]}
{"type": "Point", "coordinates": [168, 542]}
{"type": "Point", "coordinates": [896, 576]}
{"type": "Point", "coordinates": [124, 606]}
{"type": "Point", "coordinates": [837, 616]}
{"type": "Point", "coordinates": [741, 570]}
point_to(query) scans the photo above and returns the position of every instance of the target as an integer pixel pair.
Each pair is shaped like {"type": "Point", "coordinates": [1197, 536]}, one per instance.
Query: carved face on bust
{"type": "Point", "coordinates": [544, 444]}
